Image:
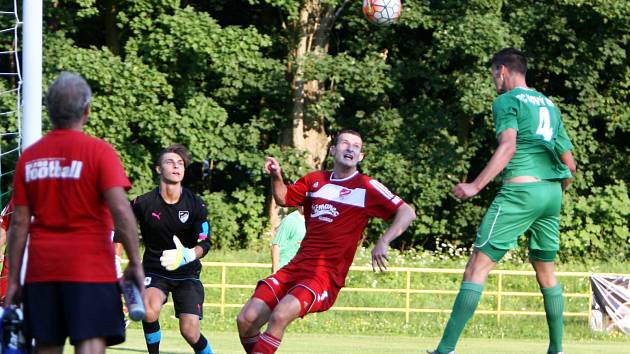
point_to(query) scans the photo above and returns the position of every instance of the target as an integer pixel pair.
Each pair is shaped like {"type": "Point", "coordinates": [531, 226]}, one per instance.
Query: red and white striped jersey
{"type": "Point", "coordinates": [336, 212]}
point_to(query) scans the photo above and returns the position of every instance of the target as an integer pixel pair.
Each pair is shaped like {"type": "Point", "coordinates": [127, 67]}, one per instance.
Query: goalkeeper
{"type": "Point", "coordinates": [176, 234]}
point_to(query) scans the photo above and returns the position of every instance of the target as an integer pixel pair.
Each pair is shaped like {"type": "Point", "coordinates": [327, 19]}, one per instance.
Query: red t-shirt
{"type": "Point", "coordinates": [336, 212]}
{"type": "Point", "coordinates": [62, 179]}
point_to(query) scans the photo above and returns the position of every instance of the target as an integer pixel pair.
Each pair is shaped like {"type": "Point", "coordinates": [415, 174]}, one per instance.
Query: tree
{"type": "Point", "coordinates": [236, 80]}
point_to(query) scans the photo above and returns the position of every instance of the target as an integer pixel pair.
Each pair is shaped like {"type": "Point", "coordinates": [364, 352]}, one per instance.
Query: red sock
{"type": "Point", "coordinates": [249, 342]}
{"type": "Point", "coordinates": [266, 344]}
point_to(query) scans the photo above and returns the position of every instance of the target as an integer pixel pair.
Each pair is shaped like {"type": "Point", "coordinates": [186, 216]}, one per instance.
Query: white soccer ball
{"type": "Point", "coordinates": [382, 12]}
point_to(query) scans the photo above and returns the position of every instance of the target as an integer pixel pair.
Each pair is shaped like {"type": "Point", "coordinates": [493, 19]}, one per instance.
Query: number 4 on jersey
{"type": "Point", "coordinates": [544, 124]}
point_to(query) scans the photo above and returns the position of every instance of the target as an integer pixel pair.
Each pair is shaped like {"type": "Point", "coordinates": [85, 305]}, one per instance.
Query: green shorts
{"type": "Point", "coordinates": [530, 208]}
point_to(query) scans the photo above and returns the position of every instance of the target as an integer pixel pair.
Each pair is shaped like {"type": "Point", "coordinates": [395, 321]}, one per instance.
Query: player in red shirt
{"type": "Point", "coordinates": [5, 219]}
{"type": "Point", "coordinates": [337, 207]}
{"type": "Point", "coordinates": [72, 185]}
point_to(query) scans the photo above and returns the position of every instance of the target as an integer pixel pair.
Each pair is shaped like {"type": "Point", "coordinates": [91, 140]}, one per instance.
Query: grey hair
{"type": "Point", "coordinates": [67, 99]}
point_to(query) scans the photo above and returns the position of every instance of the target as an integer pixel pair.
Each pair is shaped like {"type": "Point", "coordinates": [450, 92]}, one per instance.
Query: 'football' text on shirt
{"type": "Point", "coordinates": [51, 168]}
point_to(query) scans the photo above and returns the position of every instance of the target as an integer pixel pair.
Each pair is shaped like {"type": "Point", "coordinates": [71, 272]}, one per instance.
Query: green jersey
{"type": "Point", "coordinates": [540, 139]}
{"type": "Point", "coordinates": [289, 236]}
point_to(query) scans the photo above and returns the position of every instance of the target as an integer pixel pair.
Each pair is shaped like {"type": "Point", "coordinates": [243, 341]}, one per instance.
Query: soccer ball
{"type": "Point", "coordinates": [382, 12]}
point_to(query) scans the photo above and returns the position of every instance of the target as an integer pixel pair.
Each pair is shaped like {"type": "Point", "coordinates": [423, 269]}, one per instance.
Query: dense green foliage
{"type": "Point", "coordinates": [215, 75]}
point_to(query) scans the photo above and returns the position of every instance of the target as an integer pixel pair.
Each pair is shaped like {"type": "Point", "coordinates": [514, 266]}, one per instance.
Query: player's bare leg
{"type": "Point", "coordinates": [553, 302]}
{"type": "Point", "coordinates": [90, 346]}
{"type": "Point", "coordinates": [189, 329]}
{"type": "Point", "coordinates": [545, 273]}
{"type": "Point", "coordinates": [252, 317]}
{"type": "Point", "coordinates": [287, 310]}
{"type": "Point", "coordinates": [477, 269]}
{"type": "Point", "coordinates": [153, 300]}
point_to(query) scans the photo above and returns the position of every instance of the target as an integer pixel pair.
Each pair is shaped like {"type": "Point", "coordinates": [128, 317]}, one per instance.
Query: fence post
{"type": "Point", "coordinates": [499, 295]}
{"type": "Point", "coordinates": [408, 297]}
{"type": "Point", "coordinates": [590, 298]}
{"type": "Point", "coordinates": [223, 281]}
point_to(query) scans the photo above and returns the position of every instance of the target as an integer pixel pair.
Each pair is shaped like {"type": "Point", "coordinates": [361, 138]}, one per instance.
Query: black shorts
{"type": "Point", "coordinates": [187, 293]}
{"type": "Point", "coordinates": [54, 311]}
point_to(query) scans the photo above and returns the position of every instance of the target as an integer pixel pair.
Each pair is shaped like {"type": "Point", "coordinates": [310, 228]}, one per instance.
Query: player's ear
{"type": "Point", "coordinates": [361, 155]}
{"type": "Point", "coordinates": [158, 169]}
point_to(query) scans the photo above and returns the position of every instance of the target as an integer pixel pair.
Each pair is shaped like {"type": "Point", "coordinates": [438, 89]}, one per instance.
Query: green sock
{"type": "Point", "coordinates": [554, 306]}
{"type": "Point", "coordinates": [465, 305]}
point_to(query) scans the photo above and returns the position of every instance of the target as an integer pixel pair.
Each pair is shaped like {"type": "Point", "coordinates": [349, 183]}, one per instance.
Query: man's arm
{"type": "Point", "coordinates": [567, 159]}
{"type": "Point", "coordinates": [18, 234]}
{"type": "Point", "coordinates": [403, 218]}
{"type": "Point", "coordinates": [125, 225]}
{"type": "Point", "coordinates": [500, 159]}
{"type": "Point", "coordinates": [275, 257]}
{"type": "Point", "coordinates": [278, 188]}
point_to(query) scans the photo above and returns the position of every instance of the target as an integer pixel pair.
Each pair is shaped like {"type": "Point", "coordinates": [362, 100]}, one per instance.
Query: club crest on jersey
{"type": "Point", "coordinates": [344, 192]}
{"type": "Point", "coordinates": [183, 215]}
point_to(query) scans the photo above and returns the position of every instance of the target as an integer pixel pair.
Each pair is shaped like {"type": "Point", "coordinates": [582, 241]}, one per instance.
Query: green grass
{"type": "Point", "coordinates": [421, 324]}
{"type": "Point", "coordinates": [352, 324]}
{"type": "Point", "coordinates": [228, 343]}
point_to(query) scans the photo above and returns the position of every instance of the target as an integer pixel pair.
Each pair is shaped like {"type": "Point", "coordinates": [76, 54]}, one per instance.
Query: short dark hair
{"type": "Point", "coordinates": [67, 99]}
{"type": "Point", "coordinates": [511, 58]}
{"type": "Point", "coordinates": [178, 149]}
{"type": "Point", "coordinates": [346, 131]}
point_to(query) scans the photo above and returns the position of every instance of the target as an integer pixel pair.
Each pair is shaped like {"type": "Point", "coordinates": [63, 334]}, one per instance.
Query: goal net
{"type": "Point", "coordinates": [10, 97]}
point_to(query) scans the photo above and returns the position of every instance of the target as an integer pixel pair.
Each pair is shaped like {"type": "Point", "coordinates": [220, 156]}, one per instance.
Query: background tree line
{"type": "Point", "coordinates": [237, 80]}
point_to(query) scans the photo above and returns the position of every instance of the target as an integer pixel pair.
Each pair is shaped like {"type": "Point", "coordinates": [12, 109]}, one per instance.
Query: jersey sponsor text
{"type": "Point", "coordinates": [321, 210]}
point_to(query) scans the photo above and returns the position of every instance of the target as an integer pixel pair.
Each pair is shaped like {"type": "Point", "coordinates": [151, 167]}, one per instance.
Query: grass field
{"type": "Point", "coordinates": [227, 343]}
{"type": "Point", "coordinates": [377, 332]}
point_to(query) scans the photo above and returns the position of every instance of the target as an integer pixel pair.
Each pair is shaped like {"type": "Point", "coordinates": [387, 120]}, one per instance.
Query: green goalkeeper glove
{"type": "Point", "coordinates": [177, 257]}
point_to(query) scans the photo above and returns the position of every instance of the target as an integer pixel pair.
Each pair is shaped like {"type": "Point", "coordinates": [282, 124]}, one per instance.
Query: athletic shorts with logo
{"type": "Point", "coordinates": [530, 208]}
{"type": "Point", "coordinates": [316, 292]}
{"type": "Point", "coordinates": [187, 293]}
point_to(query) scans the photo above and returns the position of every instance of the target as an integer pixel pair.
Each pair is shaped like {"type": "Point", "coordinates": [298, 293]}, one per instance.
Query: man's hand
{"type": "Point", "coordinates": [177, 257]}
{"type": "Point", "coordinates": [13, 294]}
{"type": "Point", "coordinates": [379, 256]}
{"type": "Point", "coordinates": [272, 167]}
{"type": "Point", "coordinates": [566, 183]}
{"type": "Point", "coordinates": [135, 273]}
{"type": "Point", "coordinates": [465, 190]}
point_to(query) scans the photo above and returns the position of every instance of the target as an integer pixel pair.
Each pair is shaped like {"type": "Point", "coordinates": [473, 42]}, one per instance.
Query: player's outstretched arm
{"type": "Point", "coordinates": [278, 188]}
{"type": "Point", "coordinates": [125, 225]}
{"type": "Point", "coordinates": [404, 216]}
{"type": "Point", "coordinates": [569, 161]}
{"type": "Point", "coordinates": [18, 233]}
{"type": "Point", "coordinates": [498, 161]}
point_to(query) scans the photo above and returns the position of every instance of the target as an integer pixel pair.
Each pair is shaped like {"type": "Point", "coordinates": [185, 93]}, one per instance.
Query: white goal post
{"type": "Point", "coordinates": [32, 13]}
